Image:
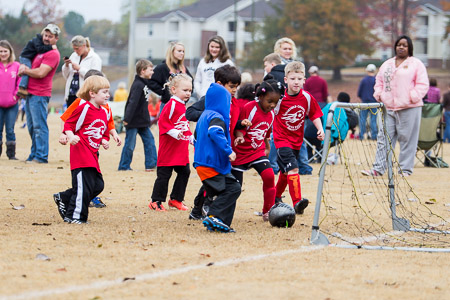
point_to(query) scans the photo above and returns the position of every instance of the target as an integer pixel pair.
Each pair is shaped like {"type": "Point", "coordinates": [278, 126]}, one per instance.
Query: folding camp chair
{"type": "Point", "coordinates": [430, 148]}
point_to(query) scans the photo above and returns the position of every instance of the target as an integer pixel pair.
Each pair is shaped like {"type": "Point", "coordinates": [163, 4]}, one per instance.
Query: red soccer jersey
{"type": "Point", "coordinates": [173, 152]}
{"type": "Point", "coordinates": [90, 124]}
{"type": "Point", "coordinates": [254, 136]}
{"type": "Point", "coordinates": [80, 101]}
{"type": "Point", "coordinates": [235, 110]}
{"type": "Point", "coordinates": [288, 127]}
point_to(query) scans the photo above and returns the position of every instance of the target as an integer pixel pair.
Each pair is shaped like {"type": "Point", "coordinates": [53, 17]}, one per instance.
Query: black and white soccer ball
{"type": "Point", "coordinates": [282, 215]}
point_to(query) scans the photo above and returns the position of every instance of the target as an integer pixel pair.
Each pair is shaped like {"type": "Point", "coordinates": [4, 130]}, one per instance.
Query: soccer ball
{"type": "Point", "coordinates": [282, 215]}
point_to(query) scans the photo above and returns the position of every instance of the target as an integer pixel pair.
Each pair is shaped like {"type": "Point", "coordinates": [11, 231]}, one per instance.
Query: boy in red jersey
{"type": "Point", "coordinates": [288, 132]}
{"type": "Point", "coordinates": [252, 143]}
{"type": "Point", "coordinates": [86, 130]}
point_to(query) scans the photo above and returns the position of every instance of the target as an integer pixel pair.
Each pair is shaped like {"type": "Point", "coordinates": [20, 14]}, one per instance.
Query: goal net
{"type": "Point", "coordinates": [372, 212]}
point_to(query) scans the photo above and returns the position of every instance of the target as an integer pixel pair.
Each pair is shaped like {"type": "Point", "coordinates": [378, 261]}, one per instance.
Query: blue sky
{"type": "Point", "coordinates": [90, 9]}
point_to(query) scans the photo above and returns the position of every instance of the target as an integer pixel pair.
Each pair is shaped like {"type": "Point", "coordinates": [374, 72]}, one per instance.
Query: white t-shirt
{"type": "Point", "coordinates": [205, 74]}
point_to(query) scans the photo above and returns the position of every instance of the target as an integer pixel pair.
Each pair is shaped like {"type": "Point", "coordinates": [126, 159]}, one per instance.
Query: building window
{"type": "Point", "coordinates": [248, 26]}
{"type": "Point", "coordinates": [173, 26]}
{"type": "Point", "coordinates": [232, 49]}
{"type": "Point", "coordinates": [149, 54]}
{"type": "Point", "coordinates": [231, 26]}
{"type": "Point", "coordinates": [150, 29]}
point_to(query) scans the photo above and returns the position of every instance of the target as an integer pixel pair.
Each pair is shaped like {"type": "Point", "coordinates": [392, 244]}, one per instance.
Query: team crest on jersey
{"type": "Point", "coordinates": [95, 133]}
{"type": "Point", "coordinates": [258, 134]}
{"type": "Point", "coordinates": [147, 92]}
{"type": "Point", "coordinates": [294, 117]}
{"type": "Point", "coordinates": [183, 126]}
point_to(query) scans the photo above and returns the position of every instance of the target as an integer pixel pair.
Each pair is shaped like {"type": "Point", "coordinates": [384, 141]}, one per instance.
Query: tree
{"type": "Point", "coordinates": [44, 11]}
{"type": "Point", "coordinates": [327, 32]}
{"type": "Point", "coordinates": [73, 23]}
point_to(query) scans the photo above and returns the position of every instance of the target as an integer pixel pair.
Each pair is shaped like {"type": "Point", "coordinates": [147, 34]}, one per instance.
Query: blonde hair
{"type": "Point", "coordinates": [277, 47]}
{"type": "Point", "coordinates": [170, 59]}
{"type": "Point", "coordinates": [93, 84]}
{"type": "Point", "coordinates": [141, 65]}
{"type": "Point", "coordinates": [273, 58]}
{"type": "Point", "coordinates": [80, 40]}
{"type": "Point", "coordinates": [7, 45]}
{"type": "Point", "coordinates": [175, 80]}
{"type": "Point", "coordinates": [294, 66]}
{"type": "Point", "coordinates": [246, 77]}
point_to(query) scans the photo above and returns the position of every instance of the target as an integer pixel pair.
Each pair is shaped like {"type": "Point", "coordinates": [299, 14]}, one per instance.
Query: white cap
{"type": "Point", "coordinates": [313, 69]}
{"type": "Point", "coordinates": [54, 29]}
{"type": "Point", "coordinates": [371, 68]}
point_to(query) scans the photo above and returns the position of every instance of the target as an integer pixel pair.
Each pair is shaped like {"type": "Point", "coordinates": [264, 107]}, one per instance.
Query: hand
{"type": "Point", "coordinates": [22, 70]}
{"type": "Point", "coordinates": [75, 66]}
{"type": "Point", "coordinates": [239, 140]}
{"type": "Point", "coordinates": [125, 123]}
{"type": "Point", "coordinates": [117, 139]}
{"type": "Point", "coordinates": [105, 144]}
{"type": "Point", "coordinates": [246, 122]}
{"type": "Point", "coordinates": [232, 156]}
{"type": "Point", "coordinates": [320, 135]}
{"type": "Point", "coordinates": [67, 62]}
{"type": "Point", "coordinates": [74, 140]}
{"type": "Point", "coordinates": [63, 139]}
{"type": "Point", "coordinates": [180, 136]}
{"type": "Point", "coordinates": [191, 139]}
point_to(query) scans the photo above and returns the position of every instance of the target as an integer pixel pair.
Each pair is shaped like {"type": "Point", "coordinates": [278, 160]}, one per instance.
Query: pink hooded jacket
{"type": "Point", "coordinates": [402, 87]}
{"type": "Point", "coordinates": [9, 84]}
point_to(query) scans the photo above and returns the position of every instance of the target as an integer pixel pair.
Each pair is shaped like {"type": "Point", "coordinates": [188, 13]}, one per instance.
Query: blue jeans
{"type": "Point", "coordinates": [36, 112]}
{"type": "Point", "coordinates": [447, 127]}
{"type": "Point", "coordinates": [24, 81]}
{"type": "Point", "coordinates": [8, 117]}
{"type": "Point", "coordinates": [373, 123]}
{"type": "Point", "coordinates": [273, 156]}
{"type": "Point", "coordinates": [130, 144]}
{"type": "Point", "coordinates": [303, 167]}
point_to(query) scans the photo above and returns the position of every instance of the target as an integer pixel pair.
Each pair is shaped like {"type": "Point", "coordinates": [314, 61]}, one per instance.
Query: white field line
{"type": "Point", "coordinates": [154, 275]}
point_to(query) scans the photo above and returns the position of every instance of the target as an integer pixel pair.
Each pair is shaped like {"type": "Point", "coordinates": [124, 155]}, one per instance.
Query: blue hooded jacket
{"type": "Point", "coordinates": [213, 143]}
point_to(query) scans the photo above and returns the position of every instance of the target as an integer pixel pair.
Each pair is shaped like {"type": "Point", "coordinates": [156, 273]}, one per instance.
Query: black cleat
{"type": "Point", "coordinates": [300, 206]}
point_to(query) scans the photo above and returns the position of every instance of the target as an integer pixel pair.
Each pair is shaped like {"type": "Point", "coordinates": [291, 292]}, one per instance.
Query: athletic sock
{"type": "Point", "coordinates": [295, 190]}
{"type": "Point", "coordinates": [281, 185]}
{"type": "Point", "coordinates": [269, 190]}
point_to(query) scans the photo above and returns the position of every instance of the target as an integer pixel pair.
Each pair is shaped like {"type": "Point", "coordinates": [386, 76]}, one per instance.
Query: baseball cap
{"type": "Point", "coordinates": [371, 68]}
{"type": "Point", "coordinates": [54, 29]}
{"type": "Point", "coordinates": [313, 69]}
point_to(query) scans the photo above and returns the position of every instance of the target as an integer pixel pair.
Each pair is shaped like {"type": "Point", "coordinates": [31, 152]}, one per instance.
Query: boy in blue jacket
{"type": "Point", "coordinates": [212, 158]}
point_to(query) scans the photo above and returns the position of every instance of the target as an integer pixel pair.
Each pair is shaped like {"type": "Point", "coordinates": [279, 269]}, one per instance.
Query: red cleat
{"type": "Point", "coordinates": [177, 204]}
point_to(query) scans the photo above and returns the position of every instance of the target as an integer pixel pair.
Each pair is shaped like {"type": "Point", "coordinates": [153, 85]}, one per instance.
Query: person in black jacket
{"type": "Point", "coordinates": [137, 119]}
{"type": "Point", "coordinates": [274, 68]}
{"type": "Point", "coordinates": [173, 64]}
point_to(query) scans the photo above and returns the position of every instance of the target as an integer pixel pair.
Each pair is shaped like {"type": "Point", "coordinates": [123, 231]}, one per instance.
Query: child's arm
{"type": "Point", "coordinates": [267, 143]}
{"type": "Point", "coordinates": [40, 46]}
{"type": "Point", "coordinates": [320, 134]}
{"type": "Point", "coordinates": [73, 139]}
{"type": "Point", "coordinates": [239, 137]}
{"type": "Point", "coordinates": [115, 136]}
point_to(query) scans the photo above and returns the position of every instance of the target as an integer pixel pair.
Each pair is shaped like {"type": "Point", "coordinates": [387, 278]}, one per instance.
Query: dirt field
{"type": "Point", "coordinates": [128, 251]}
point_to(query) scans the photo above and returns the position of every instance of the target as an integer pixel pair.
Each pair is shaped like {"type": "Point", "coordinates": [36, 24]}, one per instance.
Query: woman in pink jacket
{"type": "Point", "coordinates": [9, 84]}
{"type": "Point", "coordinates": [401, 83]}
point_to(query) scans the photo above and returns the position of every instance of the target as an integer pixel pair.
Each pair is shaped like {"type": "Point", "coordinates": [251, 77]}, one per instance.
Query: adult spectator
{"type": "Point", "coordinates": [171, 66]}
{"type": "Point", "coordinates": [446, 104]}
{"type": "Point", "coordinates": [121, 94]}
{"type": "Point", "coordinates": [9, 106]}
{"type": "Point", "coordinates": [365, 93]}
{"type": "Point", "coordinates": [401, 84]}
{"type": "Point", "coordinates": [285, 48]}
{"type": "Point", "coordinates": [216, 56]}
{"type": "Point", "coordinates": [317, 86]}
{"type": "Point", "coordinates": [75, 67]}
{"type": "Point", "coordinates": [41, 73]}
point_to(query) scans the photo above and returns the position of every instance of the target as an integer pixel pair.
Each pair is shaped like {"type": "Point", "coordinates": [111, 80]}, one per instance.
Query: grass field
{"type": "Point", "coordinates": [128, 251]}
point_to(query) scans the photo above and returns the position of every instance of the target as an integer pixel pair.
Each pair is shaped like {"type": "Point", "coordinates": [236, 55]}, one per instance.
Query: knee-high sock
{"type": "Point", "coordinates": [295, 190]}
{"type": "Point", "coordinates": [281, 185]}
{"type": "Point", "coordinates": [268, 179]}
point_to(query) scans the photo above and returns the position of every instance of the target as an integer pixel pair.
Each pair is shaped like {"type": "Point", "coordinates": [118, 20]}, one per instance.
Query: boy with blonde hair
{"type": "Point", "coordinates": [288, 130]}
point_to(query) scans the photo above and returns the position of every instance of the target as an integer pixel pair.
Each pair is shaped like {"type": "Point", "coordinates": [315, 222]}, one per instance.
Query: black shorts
{"type": "Point", "coordinates": [287, 159]}
{"type": "Point", "coordinates": [259, 164]}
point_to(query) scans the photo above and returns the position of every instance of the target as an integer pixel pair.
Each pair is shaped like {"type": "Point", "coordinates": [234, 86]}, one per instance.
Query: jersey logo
{"type": "Point", "coordinates": [183, 126]}
{"type": "Point", "coordinates": [147, 92]}
{"type": "Point", "coordinates": [294, 117]}
{"type": "Point", "coordinates": [95, 133]}
{"type": "Point", "coordinates": [257, 134]}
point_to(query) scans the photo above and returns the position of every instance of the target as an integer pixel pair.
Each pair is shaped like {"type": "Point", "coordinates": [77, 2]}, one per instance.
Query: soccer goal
{"type": "Point", "coordinates": [380, 212]}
